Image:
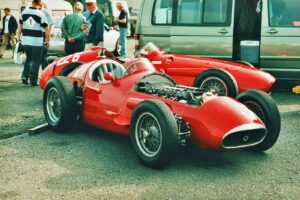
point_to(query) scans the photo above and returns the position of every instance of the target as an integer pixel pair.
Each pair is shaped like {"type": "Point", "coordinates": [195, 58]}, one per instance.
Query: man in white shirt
{"type": "Point", "coordinates": [8, 31]}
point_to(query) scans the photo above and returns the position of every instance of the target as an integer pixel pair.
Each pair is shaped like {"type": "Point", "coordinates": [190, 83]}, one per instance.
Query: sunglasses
{"type": "Point", "coordinates": [89, 4]}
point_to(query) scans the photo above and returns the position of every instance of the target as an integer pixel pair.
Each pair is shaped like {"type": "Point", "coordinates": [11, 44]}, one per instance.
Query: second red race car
{"type": "Point", "coordinates": [158, 114]}
{"type": "Point", "coordinates": [223, 77]}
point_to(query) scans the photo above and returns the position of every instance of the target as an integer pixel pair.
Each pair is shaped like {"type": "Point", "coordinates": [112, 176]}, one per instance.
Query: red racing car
{"type": "Point", "coordinates": [224, 77]}
{"type": "Point", "coordinates": [209, 74]}
{"type": "Point", "coordinates": [158, 114]}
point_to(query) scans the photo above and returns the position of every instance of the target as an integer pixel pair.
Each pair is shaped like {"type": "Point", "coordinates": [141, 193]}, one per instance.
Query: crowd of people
{"type": "Point", "coordinates": [81, 30]}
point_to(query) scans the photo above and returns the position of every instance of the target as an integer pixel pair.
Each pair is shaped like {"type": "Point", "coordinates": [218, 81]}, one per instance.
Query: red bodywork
{"type": "Point", "coordinates": [109, 106]}
{"type": "Point", "coordinates": [185, 69]}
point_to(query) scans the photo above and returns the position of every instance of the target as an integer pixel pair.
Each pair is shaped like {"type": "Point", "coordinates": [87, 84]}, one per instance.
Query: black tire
{"type": "Point", "coordinates": [162, 124]}
{"type": "Point", "coordinates": [69, 68]}
{"type": "Point", "coordinates": [266, 109]}
{"type": "Point", "coordinates": [117, 51]}
{"type": "Point", "coordinates": [221, 81]}
{"type": "Point", "coordinates": [59, 102]}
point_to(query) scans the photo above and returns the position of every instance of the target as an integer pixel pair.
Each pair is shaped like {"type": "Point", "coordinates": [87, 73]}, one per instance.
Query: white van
{"type": "Point", "coordinates": [58, 8]}
{"type": "Point", "coordinates": [217, 28]}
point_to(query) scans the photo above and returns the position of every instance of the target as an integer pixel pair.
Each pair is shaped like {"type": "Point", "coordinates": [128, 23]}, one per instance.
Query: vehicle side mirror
{"type": "Point", "coordinates": [109, 77]}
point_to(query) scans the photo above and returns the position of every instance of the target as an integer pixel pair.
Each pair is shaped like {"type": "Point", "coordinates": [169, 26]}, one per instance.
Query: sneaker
{"type": "Point", "coordinates": [33, 84]}
{"type": "Point", "coordinates": [25, 81]}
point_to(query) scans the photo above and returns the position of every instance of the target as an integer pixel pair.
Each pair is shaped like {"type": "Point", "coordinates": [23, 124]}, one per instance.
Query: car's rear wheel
{"type": "Point", "coordinates": [218, 81]}
{"type": "Point", "coordinates": [59, 102]}
{"type": "Point", "coordinates": [266, 109]}
{"type": "Point", "coordinates": [154, 133]}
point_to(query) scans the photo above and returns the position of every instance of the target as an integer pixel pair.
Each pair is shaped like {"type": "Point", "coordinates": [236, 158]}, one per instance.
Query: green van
{"type": "Point", "coordinates": [226, 29]}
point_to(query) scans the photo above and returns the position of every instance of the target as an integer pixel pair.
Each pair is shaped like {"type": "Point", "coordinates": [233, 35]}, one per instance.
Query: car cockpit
{"type": "Point", "coordinates": [102, 67]}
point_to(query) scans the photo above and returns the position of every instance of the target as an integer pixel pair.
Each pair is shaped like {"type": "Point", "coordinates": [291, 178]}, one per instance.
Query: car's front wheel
{"type": "Point", "coordinates": [59, 102]}
{"type": "Point", "coordinates": [266, 109]}
{"type": "Point", "coordinates": [154, 133]}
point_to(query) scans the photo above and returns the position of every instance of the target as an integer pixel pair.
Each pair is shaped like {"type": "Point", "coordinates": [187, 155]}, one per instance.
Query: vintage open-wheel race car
{"type": "Point", "coordinates": [159, 115]}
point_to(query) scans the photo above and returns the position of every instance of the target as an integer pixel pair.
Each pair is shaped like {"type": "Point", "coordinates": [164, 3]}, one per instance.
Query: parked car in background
{"type": "Point", "coordinates": [217, 28]}
{"type": "Point", "coordinates": [225, 78]}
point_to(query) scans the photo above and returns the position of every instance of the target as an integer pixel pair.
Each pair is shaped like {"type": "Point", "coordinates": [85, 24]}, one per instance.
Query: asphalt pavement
{"type": "Point", "coordinates": [88, 163]}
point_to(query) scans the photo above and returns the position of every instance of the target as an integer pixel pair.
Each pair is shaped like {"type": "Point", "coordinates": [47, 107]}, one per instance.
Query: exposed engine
{"type": "Point", "coordinates": [180, 93]}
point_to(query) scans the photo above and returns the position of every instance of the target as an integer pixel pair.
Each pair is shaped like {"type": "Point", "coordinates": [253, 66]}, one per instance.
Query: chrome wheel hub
{"type": "Point", "coordinates": [215, 85]}
{"type": "Point", "coordinates": [53, 105]}
{"type": "Point", "coordinates": [148, 134]}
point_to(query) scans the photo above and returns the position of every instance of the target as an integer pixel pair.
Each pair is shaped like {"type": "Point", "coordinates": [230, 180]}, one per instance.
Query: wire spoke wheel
{"type": "Point", "coordinates": [59, 103]}
{"type": "Point", "coordinates": [215, 84]}
{"type": "Point", "coordinates": [154, 133]}
{"type": "Point", "coordinates": [148, 134]}
{"type": "Point", "coordinates": [53, 104]}
{"type": "Point", "coordinates": [218, 81]}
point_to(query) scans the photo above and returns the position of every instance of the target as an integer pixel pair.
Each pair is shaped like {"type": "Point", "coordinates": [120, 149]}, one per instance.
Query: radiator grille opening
{"type": "Point", "coordinates": [244, 138]}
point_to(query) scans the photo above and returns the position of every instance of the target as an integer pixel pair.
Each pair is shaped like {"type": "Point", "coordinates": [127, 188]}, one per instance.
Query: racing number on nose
{"type": "Point", "coordinates": [69, 59]}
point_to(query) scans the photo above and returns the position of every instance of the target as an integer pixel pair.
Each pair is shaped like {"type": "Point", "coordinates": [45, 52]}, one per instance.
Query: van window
{"type": "Point", "coordinates": [162, 13]}
{"type": "Point", "coordinates": [202, 12]}
{"type": "Point", "coordinates": [284, 13]}
{"type": "Point", "coordinates": [190, 12]}
{"type": "Point", "coordinates": [215, 11]}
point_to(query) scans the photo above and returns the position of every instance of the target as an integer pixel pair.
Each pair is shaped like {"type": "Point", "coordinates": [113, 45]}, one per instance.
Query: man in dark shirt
{"type": "Point", "coordinates": [96, 29]}
{"type": "Point", "coordinates": [123, 26]}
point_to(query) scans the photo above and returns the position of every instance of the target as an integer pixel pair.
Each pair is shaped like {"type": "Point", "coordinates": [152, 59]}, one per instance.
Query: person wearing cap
{"type": "Point", "coordinates": [96, 31]}
{"type": "Point", "coordinates": [73, 29]}
{"type": "Point", "coordinates": [123, 26]}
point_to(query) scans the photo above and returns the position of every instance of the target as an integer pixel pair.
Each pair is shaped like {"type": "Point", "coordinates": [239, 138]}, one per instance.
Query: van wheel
{"type": "Point", "coordinates": [266, 109]}
{"type": "Point", "coordinates": [117, 51]}
{"type": "Point", "coordinates": [219, 81]}
{"type": "Point", "coordinates": [154, 133]}
{"type": "Point", "coordinates": [59, 102]}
